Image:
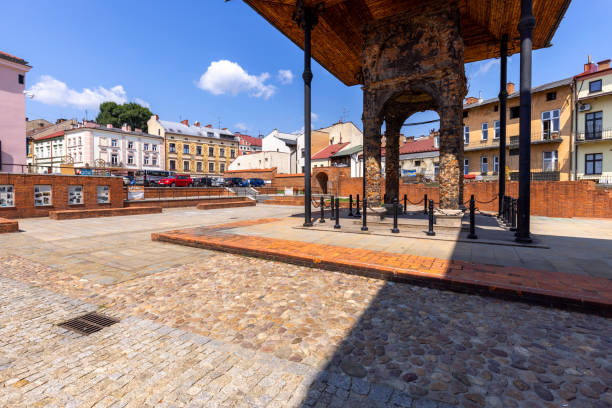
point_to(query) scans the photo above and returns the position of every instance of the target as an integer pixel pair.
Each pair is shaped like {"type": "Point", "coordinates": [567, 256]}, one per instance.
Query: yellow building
{"type": "Point", "coordinates": [195, 150]}
{"type": "Point", "coordinates": [551, 133]}
{"type": "Point", "coordinates": [593, 90]}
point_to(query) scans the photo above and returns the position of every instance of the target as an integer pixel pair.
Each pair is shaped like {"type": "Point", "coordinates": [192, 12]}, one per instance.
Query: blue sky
{"type": "Point", "coordinates": [158, 51]}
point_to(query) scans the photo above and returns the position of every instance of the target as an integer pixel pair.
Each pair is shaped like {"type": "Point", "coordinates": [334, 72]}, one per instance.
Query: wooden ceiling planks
{"type": "Point", "coordinates": [337, 38]}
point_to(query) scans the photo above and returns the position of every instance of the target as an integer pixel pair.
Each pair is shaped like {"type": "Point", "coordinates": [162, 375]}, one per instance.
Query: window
{"type": "Point", "coordinates": [593, 125]}
{"type": "Point", "coordinates": [495, 164]}
{"type": "Point", "coordinates": [550, 123]}
{"type": "Point", "coordinates": [20, 79]}
{"type": "Point", "coordinates": [103, 194]}
{"type": "Point", "coordinates": [211, 167]}
{"type": "Point", "coordinates": [436, 170]}
{"type": "Point", "coordinates": [514, 152]}
{"type": "Point", "coordinates": [484, 165]}
{"type": "Point", "coordinates": [172, 164]}
{"type": "Point", "coordinates": [199, 166]}
{"type": "Point", "coordinates": [549, 161]}
{"type": "Point", "coordinates": [466, 134]}
{"type": "Point", "coordinates": [154, 161]}
{"type": "Point", "coordinates": [232, 153]}
{"type": "Point", "coordinates": [496, 108]}
{"type": "Point", "coordinates": [595, 86]}
{"type": "Point", "coordinates": [130, 159]}
{"type": "Point", "coordinates": [222, 167]}
{"type": "Point", "coordinates": [146, 160]}
{"type": "Point", "coordinates": [130, 145]}
{"type": "Point", "coordinates": [185, 165]}
{"type": "Point", "coordinates": [154, 147]}
{"type": "Point", "coordinates": [158, 132]}
{"type": "Point", "coordinates": [210, 134]}
{"type": "Point", "coordinates": [171, 148]}
{"type": "Point", "coordinates": [114, 159]}
{"type": "Point", "coordinates": [222, 152]}
{"type": "Point", "coordinates": [199, 150]}
{"type": "Point", "coordinates": [497, 129]}
{"type": "Point", "coordinates": [75, 195]}
{"type": "Point", "coordinates": [417, 163]}
{"type": "Point", "coordinates": [465, 114]}
{"type": "Point", "coordinates": [146, 147]}
{"type": "Point", "coordinates": [466, 166]}
{"type": "Point", "coordinates": [185, 149]}
{"type": "Point", "coordinates": [42, 195]}
{"type": "Point", "coordinates": [515, 112]}
{"type": "Point", "coordinates": [485, 131]}
{"type": "Point", "coordinates": [551, 96]}
{"type": "Point", "coordinates": [7, 196]}
{"type": "Point", "coordinates": [593, 163]}
{"type": "Point", "coordinates": [211, 151]}
{"type": "Point", "coordinates": [114, 143]}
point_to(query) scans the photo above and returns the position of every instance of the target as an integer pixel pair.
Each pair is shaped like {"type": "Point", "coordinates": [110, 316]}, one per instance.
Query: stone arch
{"type": "Point", "coordinates": [322, 179]}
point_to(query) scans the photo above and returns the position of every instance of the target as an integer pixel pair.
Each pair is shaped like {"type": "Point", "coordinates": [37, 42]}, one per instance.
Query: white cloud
{"type": "Point", "coordinates": [241, 126]}
{"type": "Point", "coordinates": [285, 76]}
{"type": "Point", "coordinates": [485, 67]}
{"type": "Point", "coordinates": [227, 77]}
{"type": "Point", "coordinates": [314, 116]}
{"type": "Point", "coordinates": [142, 102]}
{"type": "Point", "coordinates": [51, 91]}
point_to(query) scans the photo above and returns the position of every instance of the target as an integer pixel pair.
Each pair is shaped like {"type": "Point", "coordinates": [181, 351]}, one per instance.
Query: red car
{"type": "Point", "coordinates": [180, 180]}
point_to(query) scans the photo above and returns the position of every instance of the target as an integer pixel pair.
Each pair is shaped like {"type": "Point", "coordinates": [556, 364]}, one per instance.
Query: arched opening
{"type": "Point", "coordinates": [322, 179]}
{"type": "Point", "coordinates": [419, 154]}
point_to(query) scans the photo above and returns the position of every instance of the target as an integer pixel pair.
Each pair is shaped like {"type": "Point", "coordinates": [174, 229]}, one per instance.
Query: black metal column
{"type": "Point", "coordinates": [306, 17]}
{"type": "Point", "coordinates": [503, 97]}
{"type": "Point", "coordinates": [525, 26]}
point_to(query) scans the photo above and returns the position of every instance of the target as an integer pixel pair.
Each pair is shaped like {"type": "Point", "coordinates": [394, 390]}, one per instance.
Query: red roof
{"type": "Point", "coordinates": [329, 151]}
{"type": "Point", "coordinates": [419, 145]}
{"type": "Point", "coordinates": [254, 141]}
{"type": "Point", "coordinates": [51, 136]}
{"type": "Point", "coordinates": [12, 58]}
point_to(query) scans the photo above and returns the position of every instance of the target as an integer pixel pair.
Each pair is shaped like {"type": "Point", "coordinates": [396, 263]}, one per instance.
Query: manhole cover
{"type": "Point", "coordinates": [89, 323]}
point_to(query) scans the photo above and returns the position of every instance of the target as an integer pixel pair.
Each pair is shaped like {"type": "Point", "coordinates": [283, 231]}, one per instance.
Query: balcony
{"type": "Point", "coordinates": [605, 134]}
{"type": "Point", "coordinates": [513, 141]}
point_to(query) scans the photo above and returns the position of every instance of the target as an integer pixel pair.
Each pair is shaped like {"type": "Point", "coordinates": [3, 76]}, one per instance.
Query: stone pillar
{"type": "Point", "coordinates": [371, 150]}
{"type": "Point", "coordinates": [451, 157]}
{"type": "Point", "coordinates": [392, 165]}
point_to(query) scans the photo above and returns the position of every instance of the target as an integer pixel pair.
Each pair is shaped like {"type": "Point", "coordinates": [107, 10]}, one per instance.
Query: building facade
{"type": "Point", "coordinates": [12, 113]}
{"type": "Point", "coordinates": [114, 148]}
{"type": "Point", "coordinates": [262, 160]}
{"type": "Point", "coordinates": [48, 153]}
{"type": "Point", "coordinates": [248, 144]}
{"type": "Point", "coordinates": [551, 137]}
{"type": "Point", "coordinates": [195, 150]}
{"type": "Point", "coordinates": [40, 128]}
{"type": "Point", "coordinates": [593, 121]}
{"type": "Point", "coordinates": [420, 158]}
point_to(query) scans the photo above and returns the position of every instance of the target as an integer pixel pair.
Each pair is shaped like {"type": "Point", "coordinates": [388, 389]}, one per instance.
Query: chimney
{"type": "Point", "coordinates": [480, 96]}
{"type": "Point", "coordinates": [137, 130]}
{"type": "Point", "coordinates": [196, 123]}
{"type": "Point", "coordinates": [605, 64]}
{"type": "Point", "coordinates": [126, 127]}
{"type": "Point", "coordinates": [470, 100]}
{"type": "Point", "coordinates": [589, 66]}
{"type": "Point", "coordinates": [510, 88]}
{"type": "Point", "coordinates": [109, 125]}
{"type": "Point", "coordinates": [156, 117]}
{"type": "Point", "coordinates": [209, 126]}
{"type": "Point", "coordinates": [224, 129]}
{"type": "Point", "coordinates": [185, 122]}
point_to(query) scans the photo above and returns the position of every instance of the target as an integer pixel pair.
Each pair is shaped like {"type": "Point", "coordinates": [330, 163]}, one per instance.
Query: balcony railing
{"type": "Point", "coordinates": [595, 135]}
{"type": "Point", "coordinates": [513, 141]}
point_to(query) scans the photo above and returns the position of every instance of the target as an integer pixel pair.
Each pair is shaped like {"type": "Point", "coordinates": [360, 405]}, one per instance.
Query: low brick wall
{"type": "Point", "coordinates": [176, 203]}
{"type": "Point", "coordinates": [183, 192]}
{"type": "Point", "coordinates": [289, 180]}
{"type": "Point", "coordinates": [8, 226]}
{"type": "Point", "coordinates": [106, 212]}
{"type": "Point", "coordinates": [286, 200]}
{"type": "Point", "coordinates": [264, 174]}
{"type": "Point", "coordinates": [227, 204]}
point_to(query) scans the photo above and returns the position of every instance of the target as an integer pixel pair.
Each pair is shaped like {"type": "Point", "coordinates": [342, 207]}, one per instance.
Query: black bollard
{"type": "Point", "coordinates": [425, 204]}
{"type": "Point", "coordinates": [385, 199]}
{"type": "Point", "coordinates": [337, 226]}
{"type": "Point", "coordinates": [350, 205]}
{"type": "Point", "coordinates": [357, 213]}
{"type": "Point", "coordinates": [332, 208]}
{"type": "Point", "coordinates": [395, 230]}
{"type": "Point", "coordinates": [513, 214]}
{"type": "Point", "coordinates": [364, 216]}
{"type": "Point", "coordinates": [431, 219]}
{"type": "Point", "coordinates": [322, 205]}
{"type": "Point", "coordinates": [405, 203]}
{"type": "Point", "coordinates": [472, 234]}
{"type": "Point", "coordinates": [505, 215]}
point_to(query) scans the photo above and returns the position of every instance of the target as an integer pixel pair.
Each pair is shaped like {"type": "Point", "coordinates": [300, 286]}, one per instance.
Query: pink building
{"type": "Point", "coordinates": [12, 113]}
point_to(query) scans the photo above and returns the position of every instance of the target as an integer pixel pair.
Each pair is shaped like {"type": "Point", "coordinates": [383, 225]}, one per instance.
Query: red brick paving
{"type": "Point", "coordinates": [552, 288]}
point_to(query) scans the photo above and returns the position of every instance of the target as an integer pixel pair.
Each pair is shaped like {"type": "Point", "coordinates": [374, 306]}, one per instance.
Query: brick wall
{"type": "Point", "coordinates": [288, 180]}
{"type": "Point", "coordinates": [23, 185]}
{"type": "Point", "coordinates": [265, 174]}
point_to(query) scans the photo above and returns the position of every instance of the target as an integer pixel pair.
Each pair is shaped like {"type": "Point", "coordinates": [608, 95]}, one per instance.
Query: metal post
{"type": "Point", "coordinates": [395, 229]}
{"type": "Point", "coordinates": [322, 205]}
{"type": "Point", "coordinates": [513, 206]}
{"type": "Point", "coordinates": [472, 234]}
{"type": "Point", "coordinates": [332, 208]}
{"type": "Point", "coordinates": [431, 219]}
{"type": "Point", "coordinates": [425, 204]}
{"type": "Point", "coordinates": [350, 214]}
{"type": "Point", "coordinates": [503, 97]}
{"type": "Point", "coordinates": [364, 216]}
{"type": "Point", "coordinates": [525, 27]}
{"type": "Point", "coordinates": [405, 203]}
{"type": "Point", "coordinates": [337, 226]}
{"type": "Point", "coordinates": [357, 213]}
{"type": "Point", "coordinates": [385, 198]}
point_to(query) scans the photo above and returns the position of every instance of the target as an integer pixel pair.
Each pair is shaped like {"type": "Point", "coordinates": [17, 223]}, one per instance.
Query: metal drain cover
{"type": "Point", "coordinates": [89, 323]}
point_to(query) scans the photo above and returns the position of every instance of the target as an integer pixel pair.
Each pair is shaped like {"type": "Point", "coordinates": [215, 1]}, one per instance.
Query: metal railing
{"type": "Point", "coordinates": [513, 141]}
{"type": "Point", "coordinates": [595, 135]}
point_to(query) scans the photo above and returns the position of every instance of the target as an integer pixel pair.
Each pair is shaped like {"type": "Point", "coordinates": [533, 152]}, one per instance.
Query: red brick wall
{"type": "Point", "coordinates": [8, 226]}
{"type": "Point", "coordinates": [288, 180]}
{"type": "Point", "coordinates": [24, 193]}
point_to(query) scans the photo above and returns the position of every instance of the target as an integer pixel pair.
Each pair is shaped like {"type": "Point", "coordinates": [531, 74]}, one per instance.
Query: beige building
{"type": "Point", "coordinates": [551, 134]}
{"type": "Point", "coordinates": [593, 113]}
{"type": "Point", "coordinates": [263, 160]}
{"type": "Point", "coordinates": [194, 149]}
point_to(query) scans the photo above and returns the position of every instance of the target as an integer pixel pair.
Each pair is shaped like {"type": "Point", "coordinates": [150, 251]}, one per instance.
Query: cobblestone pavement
{"type": "Point", "coordinates": [339, 340]}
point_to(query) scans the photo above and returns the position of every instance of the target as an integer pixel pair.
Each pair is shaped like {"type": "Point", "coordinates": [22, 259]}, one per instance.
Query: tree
{"type": "Point", "coordinates": [131, 114]}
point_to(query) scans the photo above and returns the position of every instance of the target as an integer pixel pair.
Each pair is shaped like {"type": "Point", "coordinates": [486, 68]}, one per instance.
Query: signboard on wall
{"type": "Point", "coordinates": [86, 172]}
{"type": "Point", "coordinates": [135, 192]}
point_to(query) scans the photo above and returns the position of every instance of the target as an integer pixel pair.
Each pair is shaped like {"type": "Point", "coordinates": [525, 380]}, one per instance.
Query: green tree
{"type": "Point", "coordinates": [131, 113]}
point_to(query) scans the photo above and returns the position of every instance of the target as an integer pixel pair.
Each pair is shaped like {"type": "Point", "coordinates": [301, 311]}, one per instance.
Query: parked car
{"type": "Point", "coordinates": [203, 182]}
{"type": "Point", "coordinates": [256, 182]}
{"type": "Point", "coordinates": [217, 182]}
{"type": "Point", "coordinates": [233, 182]}
{"type": "Point", "coordinates": [179, 180]}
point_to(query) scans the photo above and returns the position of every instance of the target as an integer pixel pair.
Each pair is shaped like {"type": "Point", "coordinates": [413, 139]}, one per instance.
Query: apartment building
{"type": "Point", "coordinates": [593, 121]}
{"type": "Point", "coordinates": [48, 153]}
{"type": "Point", "coordinates": [248, 144]}
{"type": "Point", "coordinates": [195, 149]}
{"type": "Point", "coordinates": [551, 133]}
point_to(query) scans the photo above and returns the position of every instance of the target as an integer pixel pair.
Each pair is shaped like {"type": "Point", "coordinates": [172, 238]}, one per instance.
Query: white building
{"type": "Point", "coordinates": [263, 160]}
{"type": "Point", "coordinates": [288, 143]}
{"type": "Point", "coordinates": [48, 153]}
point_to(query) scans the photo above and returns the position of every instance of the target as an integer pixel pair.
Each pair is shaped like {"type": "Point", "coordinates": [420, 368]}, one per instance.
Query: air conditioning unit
{"type": "Point", "coordinates": [584, 107]}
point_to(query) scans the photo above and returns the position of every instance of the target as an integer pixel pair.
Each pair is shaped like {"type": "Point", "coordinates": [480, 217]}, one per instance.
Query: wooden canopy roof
{"type": "Point", "coordinates": [337, 38]}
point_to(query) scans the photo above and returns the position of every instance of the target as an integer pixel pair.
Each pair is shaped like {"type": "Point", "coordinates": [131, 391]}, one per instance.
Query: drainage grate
{"type": "Point", "coordinates": [89, 323]}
